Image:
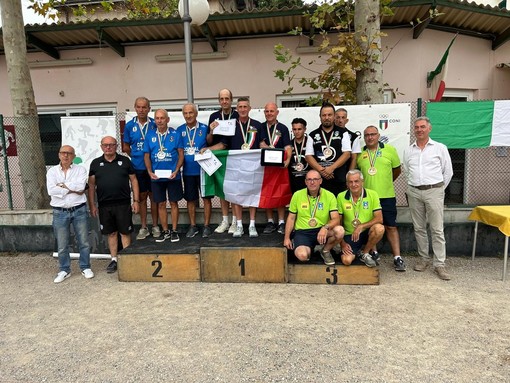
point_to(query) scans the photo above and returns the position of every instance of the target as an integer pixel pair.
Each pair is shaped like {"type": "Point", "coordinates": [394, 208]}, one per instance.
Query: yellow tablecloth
{"type": "Point", "coordinates": [498, 216]}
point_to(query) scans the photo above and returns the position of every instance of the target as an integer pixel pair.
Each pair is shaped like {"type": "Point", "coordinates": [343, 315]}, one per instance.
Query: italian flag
{"type": "Point", "coordinates": [242, 180]}
{"type": "Point", "coordinates": [436, 78]}
{"type": "Point", "coordinates": [468, 125]}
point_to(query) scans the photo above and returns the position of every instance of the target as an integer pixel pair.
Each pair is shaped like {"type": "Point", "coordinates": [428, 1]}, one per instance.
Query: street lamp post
{"type": "Point", "coordinates": [193, 12]}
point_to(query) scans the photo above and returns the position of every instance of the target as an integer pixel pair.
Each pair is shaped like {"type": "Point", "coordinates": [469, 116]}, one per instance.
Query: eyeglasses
{"type": "Point", "coordinates": [371, 134]}
{"type": "Point", "coordinates": [66, 153]}
{"type": "Point", "coordinates": [312, 179]}
{"type": "Point", "coordinates": [108, 145]}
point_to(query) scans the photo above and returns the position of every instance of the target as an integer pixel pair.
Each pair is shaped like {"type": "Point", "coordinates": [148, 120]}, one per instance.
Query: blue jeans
{"type": "Point", "coordinates": [62, 221]}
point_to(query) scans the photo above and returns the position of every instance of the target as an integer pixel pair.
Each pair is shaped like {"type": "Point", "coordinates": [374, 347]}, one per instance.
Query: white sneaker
{"type": "Point", "coordinates": [238, 233]}
{"type": "Point", "coordinates": [87, 273]}
{"type": "Point", "coordinates": [61, 276]}
{"type": "Point", "coordinates": [252, 230]}
{"type": "Point", "coordinates": [143, 233]}
{"type": "Point", "coordinates": [156, 231]}
{"type": "Point", "coordinates": [232, 228]}
{"type": "Point", "coordinates": [223, 227]}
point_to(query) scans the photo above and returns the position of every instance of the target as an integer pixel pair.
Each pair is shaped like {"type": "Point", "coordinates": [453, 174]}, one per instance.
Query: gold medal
{"type": "Point", "coordinates": [356, 222]}
{"type": "Point", "coordinates": [372, 171]}
{"type": "Point", "coordinates": [245, 146]}
{"type": "Point", "coordinates": [299, 167]}
{"type": "Point", "coordinates": [327, 152]}
{"type": "Point", "coordinates": [312, 222]}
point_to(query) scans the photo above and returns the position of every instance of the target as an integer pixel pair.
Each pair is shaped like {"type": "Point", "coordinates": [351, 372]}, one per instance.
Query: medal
{"type": "Point", "coordinates": [190, 151]}
{"type": "Point", "coordinates": [299, 167]}
{"type": "Point", "coordinates": [312, 222]}
{"type": "Point", "coordinates": [161, 155]}
{"type": "Point", "coordinates": [356, 222]}
{"type": "Point", "coordinates": [355, 208]}
{"type": "Point", "coordinates": [161, 139]}
{"type": "Point", "coordinates": [372, 171]}
{"type": "Point", "coordinates": [327, 152]}
{"type": "Point", "coordinates": [245, 146]}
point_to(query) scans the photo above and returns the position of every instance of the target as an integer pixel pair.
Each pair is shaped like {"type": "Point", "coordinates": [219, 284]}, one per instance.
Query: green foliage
{"type": "Point", "coordinates": [333, 73]}
{"type": "Point", "coordinates": [141, 9]}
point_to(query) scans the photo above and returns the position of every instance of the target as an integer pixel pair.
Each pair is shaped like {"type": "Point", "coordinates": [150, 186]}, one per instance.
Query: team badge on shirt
{"type": "Point", "coordinates": [365, 205]}
{"type": "Point", "coordinates": [119, 163]}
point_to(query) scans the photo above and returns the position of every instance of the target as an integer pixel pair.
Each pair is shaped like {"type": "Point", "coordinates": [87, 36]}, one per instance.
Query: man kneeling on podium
{"type": "Point", "coordinates": [313, 220]}
{"type": "Point", "coordinates": [361, 215]}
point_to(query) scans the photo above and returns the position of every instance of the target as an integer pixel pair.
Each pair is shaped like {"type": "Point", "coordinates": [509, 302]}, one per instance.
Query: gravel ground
{"type": "Point", "coordinates": [413, 327]}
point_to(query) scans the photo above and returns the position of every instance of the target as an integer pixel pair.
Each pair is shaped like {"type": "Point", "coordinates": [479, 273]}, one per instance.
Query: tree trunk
{"type": "Point", "coordinates": [369, 80]}
{"type": "Point", "coordinates": [26, 122]}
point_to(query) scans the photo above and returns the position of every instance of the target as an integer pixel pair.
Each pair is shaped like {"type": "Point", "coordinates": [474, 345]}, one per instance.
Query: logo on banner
{"type": "Point", "coordinates": [383, 124]}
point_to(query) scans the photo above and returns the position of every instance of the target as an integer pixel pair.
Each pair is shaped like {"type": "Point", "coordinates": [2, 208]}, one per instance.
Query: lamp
{"type": "Point", "coordinates": [193, 12]}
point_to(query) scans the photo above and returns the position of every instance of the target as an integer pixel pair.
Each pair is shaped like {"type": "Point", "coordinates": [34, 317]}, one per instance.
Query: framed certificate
{"type": "Point", "coordinates": [272, 157]}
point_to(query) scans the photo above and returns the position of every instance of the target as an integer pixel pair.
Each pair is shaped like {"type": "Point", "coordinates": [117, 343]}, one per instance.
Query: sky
{"type": "Point", "coordinates": [28, 15]}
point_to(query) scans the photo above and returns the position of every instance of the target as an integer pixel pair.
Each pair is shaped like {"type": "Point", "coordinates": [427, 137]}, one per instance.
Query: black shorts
{"type": "Point", "coordinates": [192, 188]}
{"type": "Point", "coordinates": [144, 180]}
{"type": "Point", "coordinates": [116, 218]}
{"type": "Point", "coordinates": [362, 241]}
{"type": "Point", "coordinates": [307, 237]}
{"type": "Point", "coordinates": [389, 211]}
{"type": "Point", "coordinates": [170, 190]}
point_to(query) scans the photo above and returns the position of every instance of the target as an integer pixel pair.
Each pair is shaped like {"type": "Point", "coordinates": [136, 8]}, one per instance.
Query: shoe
{"type": "Point", "coordinates": [192, 231]}
{"type": "Point", "coordinates": [375, 256]}
{"type": "Point", "coordinates": [367, 260]}
{"type": "Point", "coordinates": [207, 232]}
{"type": "Point", "coordinates": [441, 273]}
{"type": "Point", "coordinates": [112, 267]}
{"type": "Point", "coordinates": [337, 249]}
{"type": "Point", "coordinates": [174, 236]}
{"type": "Point", "coordinates": [156, 231]}
{"type": "Point", "coordinates": [143, 233]}
{"type": "Point", "coordinates": [281, 228]}
{"type": "Point", "coordinates": [232, 229]}
{"type": "Point", "coordinates": [328, 258]}
{"type": "Point", "coordinates": [165, 234]}
{"type": "Point", "coordinates": [421, 265]}
{"type": "Point", "coordinates": [87, 273]}
{"type": "Point", "coordinates": [239, 232]}
{"type": "Point", "coordinates": [270, 228]}
{"type": "Point", "coordinates": [61, 276]}
{"type": "Point", "coordinates": [399, 264]}
{"type": "Point", "coordinates": [223, 227]}
{"type": "Point", "coordinates": [252, 230]}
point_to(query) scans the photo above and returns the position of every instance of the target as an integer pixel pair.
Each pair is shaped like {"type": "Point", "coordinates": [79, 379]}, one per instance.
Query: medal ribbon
{"type": "Point", "coordinates": [314, 210]}
{"type": "Point", "coordinates": [272, 137]}
{"type": "Point", "coordinates": [161, 140]}
{"type": "Point", "coordinates": [298, 153]}
{"type": "Point", "coordinates": [355, 206]}
{"type": "Point", "coordinates": [245, 134]}
{"type": "Point", "coordinates": [229, 115]}
{"type": "Point", "coordinates": [327, 142]}
{"type": "Point", "coordinates": [372, 158]}
{"type": "Point", "coordinates": [191, 140]}
{"type": "Point", "coordinates": [141, 127]}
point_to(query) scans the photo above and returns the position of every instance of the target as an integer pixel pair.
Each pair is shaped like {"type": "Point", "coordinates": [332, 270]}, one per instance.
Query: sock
{"type": "Point", "coordinates": [234, 220]}
{"type": "Point", "coordinates": [225, 218]}
{"type": "Point", "coordinates": [114, 259]}
{"type": "Point", "coordinates": [252, 223]}
{"type": "Point", "coordinates": [239, 223]}
{"type": "Point", "coordinates": [396, 257]}
{"type": "Point", "coordinates": [280, 221]}
{"type": "Point", "coordinates": [270, 220]}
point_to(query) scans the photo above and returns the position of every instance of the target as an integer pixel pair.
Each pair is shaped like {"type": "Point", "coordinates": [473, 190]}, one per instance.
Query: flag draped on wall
{"type": "Point", "coordinates": [436, 78]}
{"type": "Point", "coordinates": [242, 180]}
{"type": "Point", "coordinates": [467, 125]}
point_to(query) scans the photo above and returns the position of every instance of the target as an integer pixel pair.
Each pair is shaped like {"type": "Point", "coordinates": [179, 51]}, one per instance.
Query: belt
{"type": "Point", "coordinates": [426, 187]}
{"type": "Point", "coordinates": [69, 209]}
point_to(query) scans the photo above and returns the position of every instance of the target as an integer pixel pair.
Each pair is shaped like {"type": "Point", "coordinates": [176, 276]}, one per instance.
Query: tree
{"type": "Point", "coordinates": [352, 56]}
{"type": "Point", "coordinates": [26, 122]}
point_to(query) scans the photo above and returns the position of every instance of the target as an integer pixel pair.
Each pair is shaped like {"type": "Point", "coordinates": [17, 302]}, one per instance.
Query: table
{"type": "Point", "coordinates": [498, 216]}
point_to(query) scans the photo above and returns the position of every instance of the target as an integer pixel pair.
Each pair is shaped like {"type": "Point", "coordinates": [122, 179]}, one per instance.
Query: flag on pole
{"type": "Point", "coordinates": [242, 180]}
{"type": "Point", "coordinates": [436, 78]}
{"type": "Point", "coordinates": [467, 125]}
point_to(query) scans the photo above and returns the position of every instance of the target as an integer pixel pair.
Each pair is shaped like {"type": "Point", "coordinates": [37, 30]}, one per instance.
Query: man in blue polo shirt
{"type": "Point", "coordinates": [194, 137]}
{"type": "Point", "coordinates": [164, 156]}
{"type": "Point", "coordinates": [135, 132]}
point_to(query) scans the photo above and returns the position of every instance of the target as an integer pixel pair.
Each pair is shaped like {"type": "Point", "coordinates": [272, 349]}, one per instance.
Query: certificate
{"type": "Point", "coordinates": [271, 157]}
{"type": "Point", "coordinates": [161, 173]}
{"type": "Point", "coordinates": [225, 127]}
{"type": "Point", "coordinates": [210, 164]}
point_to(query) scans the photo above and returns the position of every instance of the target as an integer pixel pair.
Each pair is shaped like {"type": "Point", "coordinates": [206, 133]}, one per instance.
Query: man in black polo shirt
{"type": "Point", "coordinates": [110, 176]}
{"type": "Point", "coordinates": [328, 150]}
